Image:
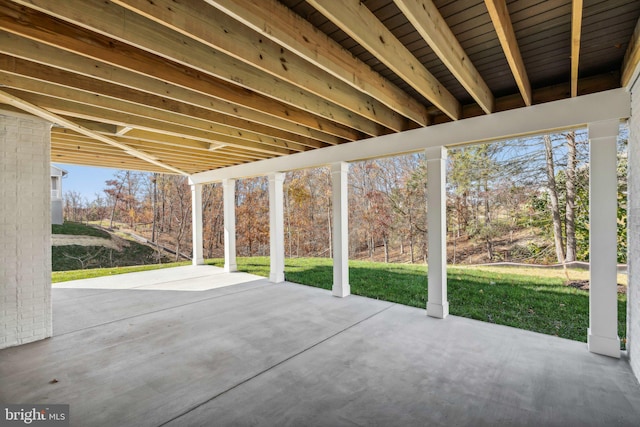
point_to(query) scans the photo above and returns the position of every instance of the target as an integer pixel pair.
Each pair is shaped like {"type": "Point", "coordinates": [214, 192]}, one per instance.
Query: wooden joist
{"type": "Point", "coordinates": [631, 57]}
{"type": "Point", "coordinates": [17, 102]}
{"type": "Point", "coordinates": [360, 23]}
{"type": "Point", "coordinates": [106, 18]}
{"type": "Point", "coordinates": [504, 28]}
{"type": "Point", "coordinates": [208, 26]}
{"type": "Point", "coordinates": [277, 22]}
{"type": "Point", "coordinates": [576, 31]}
{"type": "Point", "coordinates": [428, 21]}
{"type": "Point", "coordinates": [66, 37]}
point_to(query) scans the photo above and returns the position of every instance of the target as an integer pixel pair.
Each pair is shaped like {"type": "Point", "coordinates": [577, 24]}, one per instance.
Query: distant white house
{"type": "Point", "coordinates": [56, 194]}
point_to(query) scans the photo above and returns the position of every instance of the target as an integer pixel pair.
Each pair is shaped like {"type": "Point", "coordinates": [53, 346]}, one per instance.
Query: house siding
{"type": "Point", "coordinates": [633, 206]}
{"type": "Point", "coordinates": [25, 226]}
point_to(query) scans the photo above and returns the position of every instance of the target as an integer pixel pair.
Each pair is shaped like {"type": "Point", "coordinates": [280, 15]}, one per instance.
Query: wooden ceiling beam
{"type": "Point", "coordinates": [186, 150]}
{"type": "Point", "coordinates": [195, 147]}
{"type": "Point", "coordinates": [89, 148]}
{"type": "Point", "coordinates": [631, 57]}
{"type": "Point", "coordinates": [123, 130]}
{"type": "Point", "coordinates": [593, 84]}
{"type": "Point", "coordinates": [101, 161]}
{"type": "Point", "coordinates": [115, 161]}
{"type": "Point", "coordinates": [504, 28]}
{"type": "Point", "coordinates": [53, 118]}
{"type": "Point", "coordinates": [209, 120]}
{"type": "Point", "coordinates": [40, 27]}
{"type": "Point", "coordinates": [31, 50]}
{"type": "Point", "coordinates": [103, 128]}
{"type": "Point", "coordinates": [353, 17]}
{"type": "Point", "coordinates": [576, 30]}
{"type": "Point", "coordinates": [219, 31]}
{"type": "Point", "coordinates": [84, 111]}
{"type": "Point", "coordinates": [427, 20]}
{"type": "Point", "coordinates": [86, 105]}
{"type": "Point", "coordinates": [277, 22]}
{"type": "Point", "coordinates": [107, 18]}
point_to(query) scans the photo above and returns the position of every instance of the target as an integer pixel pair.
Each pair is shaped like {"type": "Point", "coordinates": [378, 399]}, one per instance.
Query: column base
{"type": "Point", "coordinates": [439, 311]}
{"type": "Point", "coordinates": [341, 291]}
{"type": "Point", "coordinates": [230, 268]}
{"type": "Point", "coordinates": [276, 277]}
{"type": "Point", "coordinates": [198, 261]}
{"type": "Point", "coordinates": [603, 345]}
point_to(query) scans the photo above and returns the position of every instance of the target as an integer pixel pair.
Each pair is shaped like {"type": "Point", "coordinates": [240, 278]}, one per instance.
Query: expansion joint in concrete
{"type": "Point", "coordinates": [264, 371]}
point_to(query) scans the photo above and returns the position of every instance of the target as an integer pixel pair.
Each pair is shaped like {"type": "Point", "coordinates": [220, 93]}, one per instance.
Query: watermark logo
{"type": "Point", "coordinates": [34, 415]}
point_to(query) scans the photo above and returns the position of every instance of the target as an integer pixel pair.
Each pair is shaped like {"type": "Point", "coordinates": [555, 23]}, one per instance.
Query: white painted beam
{"type": "Point", "coordinates": [229, 208]}
{"type": "Point", "coordinates": [603, 294]}
{"type": "Point", "coordinates": [437, 304]}
{"type": "Point", "coordinates": [276, 227]}
{"type": "Point", "coordinates": [340, 241]}
{"type": "Point", "coordinates": [196, 214]}
{"type": "Point", "coordinates": [541, 118]}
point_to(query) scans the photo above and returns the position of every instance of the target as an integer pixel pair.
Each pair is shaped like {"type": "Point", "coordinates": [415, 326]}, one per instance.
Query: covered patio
{"type": "Point", "coordinates": [193, 346]}
{"type": "Point", "coordinates": [222, 90]}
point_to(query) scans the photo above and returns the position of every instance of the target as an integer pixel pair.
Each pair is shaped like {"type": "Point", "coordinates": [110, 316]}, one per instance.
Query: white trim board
{"type": "Point", "coordinates": [551, 116]}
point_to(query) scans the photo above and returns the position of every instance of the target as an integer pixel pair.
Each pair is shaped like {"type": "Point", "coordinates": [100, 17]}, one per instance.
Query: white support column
{"type": "Point", "coordinates": [603, 302]}
{"type": "Point", "coordinates": [437, 304]}
{"type": "Point", "coordinates": [196, 215]}
{"type": "Point", "coordinates": [276, 227]}
{"type": "Point", "coordinates": [340, 241]}
{"type": "Point", "coordinates": [229, 207]}
{"type": "Point", "coordinates": [25, 229]}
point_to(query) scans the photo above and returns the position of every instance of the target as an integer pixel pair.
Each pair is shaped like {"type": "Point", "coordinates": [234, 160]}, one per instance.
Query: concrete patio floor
{"type": "Point", "coordinates": [193, 346]}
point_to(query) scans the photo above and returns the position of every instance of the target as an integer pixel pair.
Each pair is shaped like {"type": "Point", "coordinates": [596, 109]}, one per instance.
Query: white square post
{"type": "Point", "coordinates": [437, 304]}
{"type": "Point", "coordinates": [603, 203]}
{"type": "Point", "coordinates": [196, 215]}
{"type": "Point", "coordinates": [340, 241]}
{"type": "Point", "coordinates": [229, 207]}
{"type": "Point", "coordinates": [276, 227]}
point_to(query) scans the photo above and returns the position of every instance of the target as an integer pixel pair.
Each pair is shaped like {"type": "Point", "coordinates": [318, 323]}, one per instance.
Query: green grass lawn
{"type": "Point", "coordinates": [78, 229]}
{"type": "Point", "coordinates": [65, 276]}
{"type": "Point", "coordinates": [534, 300]}
{"type": "Point", "coordinates": [504, 296]}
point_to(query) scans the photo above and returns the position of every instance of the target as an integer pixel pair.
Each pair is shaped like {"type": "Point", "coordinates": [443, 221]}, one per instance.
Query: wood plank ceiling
{"type": "Point", "coordinates": [184, 86]}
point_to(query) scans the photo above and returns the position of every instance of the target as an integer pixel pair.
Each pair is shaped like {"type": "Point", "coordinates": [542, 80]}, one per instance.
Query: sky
{"type": "Point", "coordinates": [85, 180]}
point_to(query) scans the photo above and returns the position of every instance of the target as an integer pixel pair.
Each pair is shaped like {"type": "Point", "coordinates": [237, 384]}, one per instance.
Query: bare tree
{"type": "Point", "coordinates": [570, 173]}
{"type": "Point", "coordinates": [72, 206]}
{"type": "Point", "coordinates": [553, 195]}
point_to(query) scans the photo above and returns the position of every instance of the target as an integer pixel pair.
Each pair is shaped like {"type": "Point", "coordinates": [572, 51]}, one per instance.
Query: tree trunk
{"type": "Point", "coordinates": [386, 249]}
{"type": "Point", "coordinates": [330, 232]}
{"type": "Point", "coordinates": [455, 247]}
{"type": "Point", "coordinates": [155, 207]}
{"type": "Point", "coordinates": [115, 203]}
{"type": "Point", "coordinates": [489, 247]}
{"type": "Point", "coordinates": [571, 197]}
{"type": "Point", "coordinates": [553, 194]}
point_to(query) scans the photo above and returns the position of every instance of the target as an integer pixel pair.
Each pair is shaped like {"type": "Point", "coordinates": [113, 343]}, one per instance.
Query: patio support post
{"type": "Point", "coordinates": [437, 304]}
{"type": "Point", "coordinates": [276, 227]}
{"type": "Point", "coordinates": [603, 298]}
{"type": "Point", "coordinates": [229, 207]}
{"type": "Point", "coordinates": [196, 215]}
{"type": "Point", "coordinates": [340, 240]}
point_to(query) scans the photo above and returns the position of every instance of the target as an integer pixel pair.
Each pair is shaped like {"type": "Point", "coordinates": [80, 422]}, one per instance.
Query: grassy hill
{"type": "Point", "coordinates": [95, 248]}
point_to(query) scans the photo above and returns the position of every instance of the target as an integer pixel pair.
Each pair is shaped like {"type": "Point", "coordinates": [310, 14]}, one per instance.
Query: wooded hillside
{"type": "Point", "coordinates": [522, 200]}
